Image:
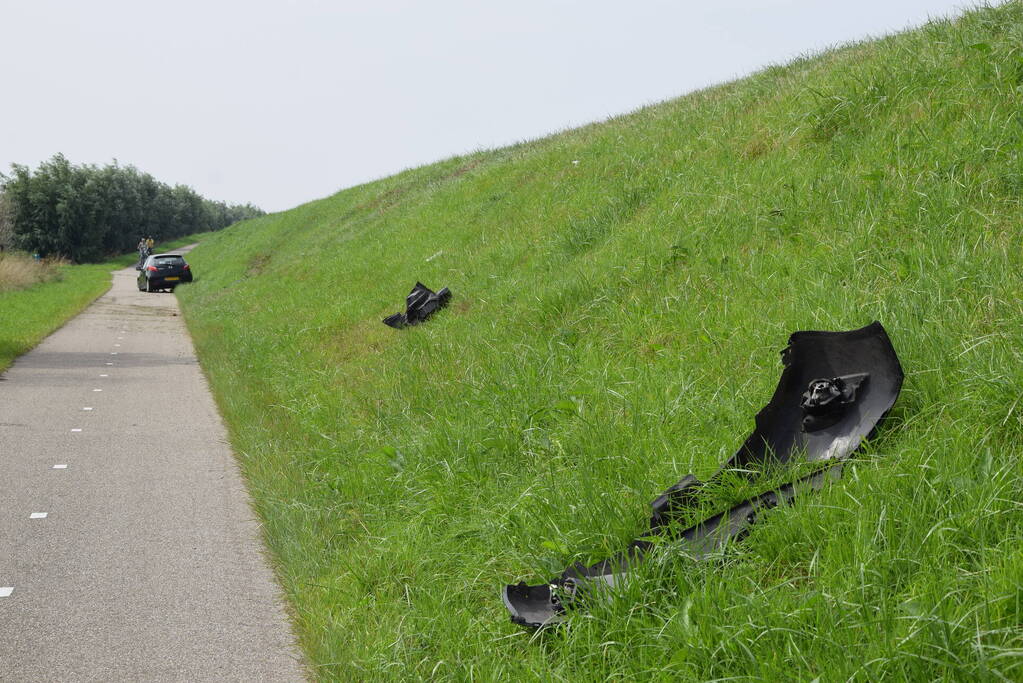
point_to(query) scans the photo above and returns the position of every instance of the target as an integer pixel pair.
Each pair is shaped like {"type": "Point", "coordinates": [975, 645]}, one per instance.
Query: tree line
{"type": "Point", "coordinates": [89, 213]}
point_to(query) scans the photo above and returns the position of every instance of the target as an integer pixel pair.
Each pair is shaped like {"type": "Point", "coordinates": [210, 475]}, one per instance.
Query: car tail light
{"type": "Point", "coordinates": [186, 266]}
{"type": "Point", "coordinates": [152, 269]}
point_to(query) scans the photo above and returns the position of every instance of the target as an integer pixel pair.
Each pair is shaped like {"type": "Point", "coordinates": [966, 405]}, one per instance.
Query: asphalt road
{"type": "Point", "coordinates": [148, 564]}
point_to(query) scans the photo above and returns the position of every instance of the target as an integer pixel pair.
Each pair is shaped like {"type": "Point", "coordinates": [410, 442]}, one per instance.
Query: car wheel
{"type": "Point", "coordinates": [149, 286]}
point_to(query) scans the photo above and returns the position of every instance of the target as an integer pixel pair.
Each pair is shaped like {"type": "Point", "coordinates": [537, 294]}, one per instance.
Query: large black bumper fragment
{"type": "Point", "coordinates": [420, 304]}
{"type": "Point", "coordinates": [835, 389]}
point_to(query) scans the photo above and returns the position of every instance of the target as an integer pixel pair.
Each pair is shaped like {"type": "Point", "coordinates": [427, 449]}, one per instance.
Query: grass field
{"type": "Point", "coordinates": [621, 293]}
{"type": "Point", "coordinates": [36, 299]}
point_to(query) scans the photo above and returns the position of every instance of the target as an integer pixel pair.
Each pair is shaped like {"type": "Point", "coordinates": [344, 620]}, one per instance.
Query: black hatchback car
{"type": "Point", "coordinates": [163, 271]}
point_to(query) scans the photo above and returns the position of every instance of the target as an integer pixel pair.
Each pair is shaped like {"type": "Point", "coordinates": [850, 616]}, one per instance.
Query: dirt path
{"type": "Point", "coordinates": [148, 563]}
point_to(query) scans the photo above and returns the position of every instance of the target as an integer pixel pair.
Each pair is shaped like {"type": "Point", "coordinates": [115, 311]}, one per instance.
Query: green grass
{"type": "Point", "coordinates": [621, 292]}
{"type": "Point", "coordinates": [29, 315]}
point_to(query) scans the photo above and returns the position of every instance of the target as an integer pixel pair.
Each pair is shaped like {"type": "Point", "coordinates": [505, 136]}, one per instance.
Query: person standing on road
{"type": "Point", "coordinates": [142, 252]}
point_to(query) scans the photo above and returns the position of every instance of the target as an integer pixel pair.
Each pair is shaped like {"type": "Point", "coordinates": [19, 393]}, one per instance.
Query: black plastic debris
{"type": "Point", "coordinates": [833, 393]}
{"type": "Point", "coordinates": [420, 304]}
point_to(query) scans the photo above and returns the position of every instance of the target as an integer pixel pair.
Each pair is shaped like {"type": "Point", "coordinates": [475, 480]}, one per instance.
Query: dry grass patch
{"type": "Point", "coordinates": [18, 270]}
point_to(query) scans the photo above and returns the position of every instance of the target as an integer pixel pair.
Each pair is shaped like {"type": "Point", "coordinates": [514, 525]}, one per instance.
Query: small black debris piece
{"type": "Point", "coordinates": [420, 304]}
{"type": "Point", "coordinates": [833, 393]}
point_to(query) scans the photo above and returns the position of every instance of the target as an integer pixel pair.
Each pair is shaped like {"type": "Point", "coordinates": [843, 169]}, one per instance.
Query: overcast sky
{"type": "Point", "coordinates": [277, 103]}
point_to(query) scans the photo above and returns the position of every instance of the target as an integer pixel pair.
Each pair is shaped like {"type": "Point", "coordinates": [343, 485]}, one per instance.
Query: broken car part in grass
{"type": "Point", "coordinates": [835, 389]}
{"type": "Point", "coordinates": [420, 304]}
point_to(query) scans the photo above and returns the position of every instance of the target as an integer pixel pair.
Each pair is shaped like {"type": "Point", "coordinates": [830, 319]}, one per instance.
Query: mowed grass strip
{"type": "Point", "coordinates": [621, 293]}
{"type": "Point", "coordinates": [40, 298]}
{"type": "Point", "coordinates": [29, 314]}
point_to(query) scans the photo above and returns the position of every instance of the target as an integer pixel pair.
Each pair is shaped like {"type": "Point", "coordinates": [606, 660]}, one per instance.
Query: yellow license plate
{"type": "Point", "coordinates": [169, 279]}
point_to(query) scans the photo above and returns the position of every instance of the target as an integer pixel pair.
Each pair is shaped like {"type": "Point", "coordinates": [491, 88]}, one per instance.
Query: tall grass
{"type": "Point", "coordinates": [19, 270]}
{"type": "Point", "coordinates": [620, 295]}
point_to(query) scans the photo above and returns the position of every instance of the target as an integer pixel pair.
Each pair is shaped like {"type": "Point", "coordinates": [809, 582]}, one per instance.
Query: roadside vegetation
{"type": "Point", "coordinates": [621, 293]}
{"type": "Point", "coordinates": [29, 313]}
{"type": "Point", "coordinates": [19, 270]}
{"type": "Point", "coordinates": [38, 296]}
{"type": "Point", "coordinates": [88, 213]}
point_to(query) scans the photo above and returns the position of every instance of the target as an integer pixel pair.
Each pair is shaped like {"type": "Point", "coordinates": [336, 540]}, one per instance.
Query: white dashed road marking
{"type": "Point", "coordinates": [77, 429]}
{"type": "Point", "coordinates": [87, 593]}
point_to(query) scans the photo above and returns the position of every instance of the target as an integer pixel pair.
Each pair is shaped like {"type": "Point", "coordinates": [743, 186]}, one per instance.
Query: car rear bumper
{"type": "Point", "coordinates": [164, 282]}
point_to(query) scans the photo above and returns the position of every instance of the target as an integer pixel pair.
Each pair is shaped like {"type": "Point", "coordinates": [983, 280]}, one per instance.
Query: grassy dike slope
{"type": "Point", "coordinates": [621, 292]}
